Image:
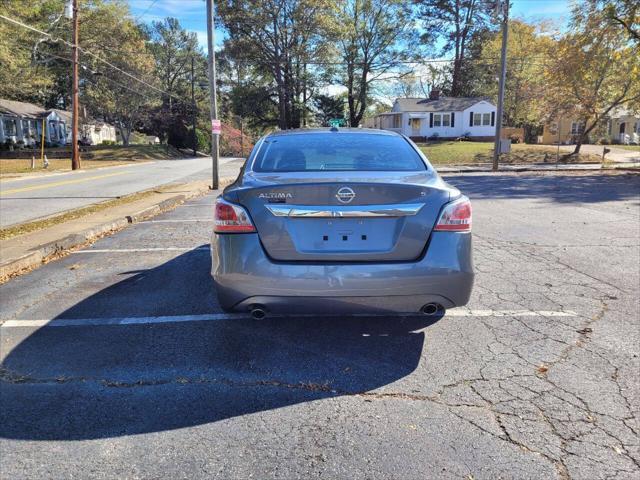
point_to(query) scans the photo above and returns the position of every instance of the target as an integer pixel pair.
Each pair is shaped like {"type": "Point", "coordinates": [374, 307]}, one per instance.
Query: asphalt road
{"type": "Point", "coordinates": [142, 377]}
{"type": "Point", "coordinates": [29, 198]}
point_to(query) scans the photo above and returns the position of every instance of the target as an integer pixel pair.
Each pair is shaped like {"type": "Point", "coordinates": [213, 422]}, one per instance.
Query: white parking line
{"type": "Point", "coordinates": [212, 317]}
{"type": "Point", "coordinates": [135, 250]}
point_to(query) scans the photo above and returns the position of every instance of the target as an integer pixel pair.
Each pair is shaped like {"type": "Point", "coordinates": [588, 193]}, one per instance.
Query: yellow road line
{"type": "Point", "coordinates": [57, 184]}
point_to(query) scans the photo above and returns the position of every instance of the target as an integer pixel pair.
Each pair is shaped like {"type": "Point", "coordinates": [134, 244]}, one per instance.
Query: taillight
{"type": "Point", "coordinates": [230, 218]}
{"type": "Point", "coordinates": [455, 217]}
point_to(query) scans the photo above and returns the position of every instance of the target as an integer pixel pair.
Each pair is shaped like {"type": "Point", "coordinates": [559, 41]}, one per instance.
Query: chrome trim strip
{"type": "Point", "coordinates": [400, 210]}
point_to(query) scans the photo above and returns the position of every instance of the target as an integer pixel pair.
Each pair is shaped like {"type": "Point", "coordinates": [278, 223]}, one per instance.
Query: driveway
{"type": "Point", "coordinates": [118, 362]}
{"type": "Point", "coordinates": [615, 154]}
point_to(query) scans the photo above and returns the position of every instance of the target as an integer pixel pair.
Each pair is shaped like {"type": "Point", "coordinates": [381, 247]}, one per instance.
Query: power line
{"type": "Point", "coordinates": [100, 74]}
{"type": "Point", "coordinates": [97, 57]}
{"type": "Point", "coordinates": [146, 10]}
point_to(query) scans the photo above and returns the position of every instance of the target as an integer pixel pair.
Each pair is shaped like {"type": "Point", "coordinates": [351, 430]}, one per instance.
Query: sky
{"type": "Point", "coordinates": [192, 13]}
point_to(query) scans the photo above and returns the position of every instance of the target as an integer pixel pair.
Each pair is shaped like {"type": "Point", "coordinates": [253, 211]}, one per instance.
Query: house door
{"type": "Point", "coordinates": [415, 127]}
{"type": "Point", "coordinates": [621, 137]}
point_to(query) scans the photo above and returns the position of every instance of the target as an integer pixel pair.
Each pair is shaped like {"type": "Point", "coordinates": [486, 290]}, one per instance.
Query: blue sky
{"type": "Point", "coordinates": [192, 13]}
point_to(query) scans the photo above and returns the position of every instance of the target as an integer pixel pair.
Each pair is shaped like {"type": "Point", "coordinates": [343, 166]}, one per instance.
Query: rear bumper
{"type": "Point", "coordinates": [245, 275]}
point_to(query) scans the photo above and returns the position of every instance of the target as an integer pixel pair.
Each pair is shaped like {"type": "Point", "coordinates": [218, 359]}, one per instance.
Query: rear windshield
{"type": "Point", "coordinates": [336, 152]}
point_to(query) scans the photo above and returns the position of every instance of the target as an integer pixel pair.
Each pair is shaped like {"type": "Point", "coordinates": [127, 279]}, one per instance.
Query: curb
{"type": "Point", "coordinates": [57, 248]}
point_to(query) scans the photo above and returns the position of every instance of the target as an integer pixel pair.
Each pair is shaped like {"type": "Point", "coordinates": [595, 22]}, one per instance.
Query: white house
{"type": "Point", "coordinates": [91, 132]}
{"type": "Point", "coordinates": [21, 124]}
{"type": "Point", "coordinates": [440, 117]}
{"type": "Point", "coordinates": [624, 126]}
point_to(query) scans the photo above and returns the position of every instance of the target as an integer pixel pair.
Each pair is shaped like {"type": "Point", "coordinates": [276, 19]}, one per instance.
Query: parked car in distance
{"type": "Point", "coordinates": [341, 221]}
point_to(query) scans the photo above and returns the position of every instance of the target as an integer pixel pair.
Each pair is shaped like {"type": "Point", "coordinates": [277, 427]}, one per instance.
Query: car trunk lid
{"type": "Point", "coordinates": [314, 216]}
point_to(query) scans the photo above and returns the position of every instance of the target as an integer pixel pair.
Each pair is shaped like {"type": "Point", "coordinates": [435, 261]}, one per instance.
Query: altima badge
{"type": "Point", "coordinates": [345, 195]}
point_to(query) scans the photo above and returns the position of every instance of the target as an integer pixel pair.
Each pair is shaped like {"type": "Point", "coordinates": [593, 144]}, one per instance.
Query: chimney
{"type": "Point", "coordinates": [434, 94]}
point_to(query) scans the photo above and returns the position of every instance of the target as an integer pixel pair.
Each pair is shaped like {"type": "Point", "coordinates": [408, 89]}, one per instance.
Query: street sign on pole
{"type": "Point", "coordinates": [336, 122]}
{"type": "Point", "coordinates": [216, 127]}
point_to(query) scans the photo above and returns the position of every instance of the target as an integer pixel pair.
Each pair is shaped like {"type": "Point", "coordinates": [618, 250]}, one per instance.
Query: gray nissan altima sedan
{"type": "Point", "coordinates": [340, 221]}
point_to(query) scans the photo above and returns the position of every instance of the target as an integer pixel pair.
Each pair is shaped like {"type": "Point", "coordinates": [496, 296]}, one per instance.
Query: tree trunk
{"type": "Point", "coordinates": [125, 134]}
{"type": "Point", "coordinates": [576, 150]}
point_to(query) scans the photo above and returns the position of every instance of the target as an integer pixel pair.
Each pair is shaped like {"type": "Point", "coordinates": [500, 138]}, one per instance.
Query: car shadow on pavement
{"type": "Point", "coordinates": [100, 381]}
{"type": "Point", "coordinates": [571, 188]}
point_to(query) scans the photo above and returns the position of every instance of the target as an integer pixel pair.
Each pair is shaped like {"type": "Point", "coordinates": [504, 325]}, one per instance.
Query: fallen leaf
{"type": "Point", "coordinates": [584, 331]}
{"type": "Point", "coordinates": [542, 368]}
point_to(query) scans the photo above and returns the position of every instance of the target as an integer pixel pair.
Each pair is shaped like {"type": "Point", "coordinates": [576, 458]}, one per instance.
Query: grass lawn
{"type": "Point", "coordinates": [633, 148]}
{"type": "Point", "coordinates": [457, 153]}
{"type": "Point", "coordinates": [103, 156]}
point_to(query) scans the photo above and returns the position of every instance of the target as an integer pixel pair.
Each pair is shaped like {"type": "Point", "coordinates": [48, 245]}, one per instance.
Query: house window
{"type": "Point", "coordinates": [396, 121]}
{"type": "Point", "coordinates": [477, 119]}
{"type": "Point", "coordinates": [9, 127]}
{"type": "Point", "coordinates": [53, 131]}
{"type": "Point", "coordinates": [25, 128]}
{"type": "Point", "coordinates": [415, 123]}
{"type": "Point", "coordinates": [577, 128]}
{"type": "Point", "coordinates": [486, 119]}
{"type": "Point", "coordinates": [441, 119]}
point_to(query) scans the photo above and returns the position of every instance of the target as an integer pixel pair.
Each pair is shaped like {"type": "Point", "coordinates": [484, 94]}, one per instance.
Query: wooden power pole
{"type": "Point", "coordinates": [75, 153]}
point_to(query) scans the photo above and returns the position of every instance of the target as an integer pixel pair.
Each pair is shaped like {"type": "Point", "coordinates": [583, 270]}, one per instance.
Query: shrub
{"type": "Point", "coordinates": [108, 142]}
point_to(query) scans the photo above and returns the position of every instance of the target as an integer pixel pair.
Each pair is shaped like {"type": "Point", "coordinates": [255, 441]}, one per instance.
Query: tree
{"type": "Point", "coordinates": [372, 36]}
{"type": "Point", "coordinates": [19, 49]}
{"type": "Point", "coordinates": [525, 86]}
{"type": "Point", "coordinates": [107, 92]}
{"type": "Point", "coordinates": [593, 69]}
{"type": "Point", "coordinates": [627, 14]}
{"type": "Point", "coordinates": [173, 50]}
{"type": "Point", "coordinates": [281, 38]}
{"type": "Point", "coordinates": [458, 21]}
{"type": "Point", "coordinates": [328, 107]}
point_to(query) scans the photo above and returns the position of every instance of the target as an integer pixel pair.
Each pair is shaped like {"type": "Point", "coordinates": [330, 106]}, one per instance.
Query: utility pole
{"type": "Point", "coordinates": [215, 125]}
{"type": "Point", "coordinates": [193, 108]}
{"type": "Point", "coordinates": [504, 6]}
{"type": "Point", "coordinates": [75, 153]}
{"type": "Point", "coordinates": [241, 138]}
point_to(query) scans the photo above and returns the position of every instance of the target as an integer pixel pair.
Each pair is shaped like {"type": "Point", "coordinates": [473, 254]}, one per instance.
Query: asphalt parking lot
{"type": "Point", "coordinates": [117, 361]}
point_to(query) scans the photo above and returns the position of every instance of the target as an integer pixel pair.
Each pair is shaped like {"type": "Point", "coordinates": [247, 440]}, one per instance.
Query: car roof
{"type": "Point", "coordinates": [333, 130]}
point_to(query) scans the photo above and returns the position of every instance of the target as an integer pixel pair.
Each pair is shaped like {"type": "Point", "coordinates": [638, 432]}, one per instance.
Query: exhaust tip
{"type": "Point", "coordinates": [431, 309]}
{"type": "Point", "coordinates": [258, 312]}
